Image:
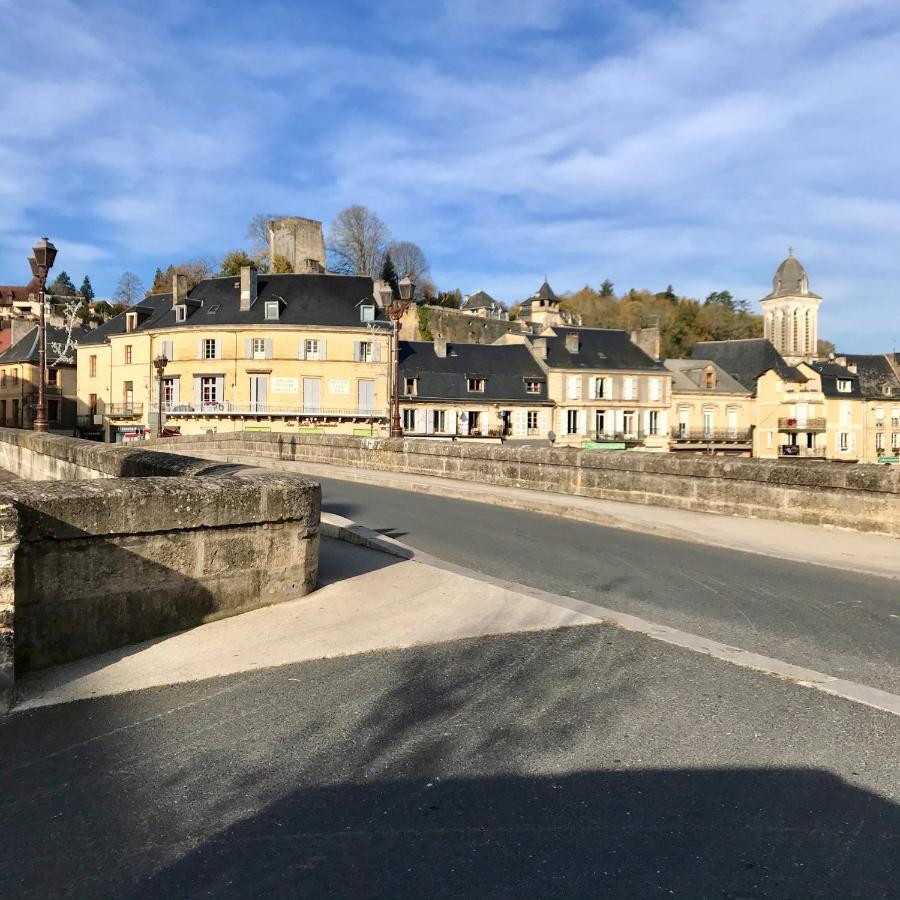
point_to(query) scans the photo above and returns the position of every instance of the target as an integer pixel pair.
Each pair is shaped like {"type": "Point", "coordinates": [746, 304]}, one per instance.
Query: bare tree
{"type": "Point", "coordinates": [357, 241]}
{"type": "Point", "coordinates": [409, 260]}
{"type": "Point", "coordinates": [129, 289]}
{"type": "Point", "coordinates": [258, 233]}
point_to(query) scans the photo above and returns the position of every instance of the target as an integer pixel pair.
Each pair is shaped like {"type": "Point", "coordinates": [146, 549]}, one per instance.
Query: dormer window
{"type": "Point", "coordinates": [272, 310]}
{"type": "Point", "coordinates": [410, 386]}
{"type": "Point", "coordinates": [476, 384]}
{"type": "Point", "coordinates": [710, 377]}
{"type": "Point", "coordinates": [181, 313]}
{"type": "Point", "coordinates": [532, 387]}
{"type": "Point", "coordinates": [844, 385]}
{"type": "Point", "coordinates": [131, 321]}
{"type": "Point", "coordinates": [367, 313]}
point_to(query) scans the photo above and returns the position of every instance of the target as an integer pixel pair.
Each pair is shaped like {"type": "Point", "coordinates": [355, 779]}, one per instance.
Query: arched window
{"type": "Point", "coordinates": [796, 342]}
{"type": "Point", "coordinates": [809, 334]}
{"type": "Point", "coordinates": [784, 332]}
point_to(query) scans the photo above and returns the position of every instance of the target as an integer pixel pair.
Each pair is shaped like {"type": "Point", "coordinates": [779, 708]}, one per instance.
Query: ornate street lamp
{"type": "Point", "coordinates": [41, 262]}
{"type": "Point", "coordinates": [396, 307]}
{"type": "Point", "coordinates": [160, 363]}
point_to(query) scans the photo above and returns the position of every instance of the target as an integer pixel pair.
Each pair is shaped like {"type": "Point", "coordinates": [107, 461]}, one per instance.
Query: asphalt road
{"type": "Point", "coordinates": [841, 623]}
{"type": "Point", "coordinates": [581, 762]}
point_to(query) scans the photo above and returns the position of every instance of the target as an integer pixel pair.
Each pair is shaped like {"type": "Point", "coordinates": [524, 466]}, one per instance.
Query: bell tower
{"type": "Point", "coordinates": [791, 312]}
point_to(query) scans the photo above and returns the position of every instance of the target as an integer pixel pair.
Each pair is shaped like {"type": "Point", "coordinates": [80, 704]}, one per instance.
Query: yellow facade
{"type": "Point", "coordinates": [606, 407]}
{"type": "Point", "coordinates": [475, 419]}
{"type": "Point", "coordinates": [230, 378]}
{"type": "Point", "coordinates": [19, 390]}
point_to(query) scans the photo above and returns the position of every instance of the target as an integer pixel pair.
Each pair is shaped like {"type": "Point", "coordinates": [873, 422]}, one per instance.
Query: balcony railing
{"type": "Point", "coordinates": [293, 410]}
{"type": "Point", "coordinates": [619, 437]}
{"type": "Point", "coordinates": [712, 435]}
{"type": "Point", "coordinates": [794, 451]}
{"type": "Point", "coordinates": [123, 410]}
{"type": "Point", "coordinates": [792, 424]}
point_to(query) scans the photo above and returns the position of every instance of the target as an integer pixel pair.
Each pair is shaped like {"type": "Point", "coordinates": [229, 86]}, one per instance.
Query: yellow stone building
{"type": "Point", "coordinates": [711, 412]}
{"type": "Point", "coordinates": [879, 378]}
{"type": "Point", "coordinates": [19, 378]}
{"type": "Point", "coordinates": [286, 353]}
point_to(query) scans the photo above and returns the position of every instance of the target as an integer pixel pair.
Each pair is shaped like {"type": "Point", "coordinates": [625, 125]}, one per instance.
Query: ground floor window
{"type": "Point", "coordinates": [653, 422]}
{"type": "Point", "coordinates": [879, 440]}
{"type": "Point", "coordinates": [531, 422]}
{"type": "Point", "coordinates": [572, 421]}
{"type": "Point", "coordinates": [92, 403]}
{"type": "Point", "coordinates": [844, 441]}
{"type": "Point", "coordinates": [628, 419]}
{"type": "Point", "coordinates": [409, 420]}
{"type": "Point", "coordinates": [600, 421]}
{"type": "Point", "coordinates": [439, 421]}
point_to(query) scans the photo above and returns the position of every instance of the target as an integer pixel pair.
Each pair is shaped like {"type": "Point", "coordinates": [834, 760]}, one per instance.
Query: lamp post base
{"type": "Point", "coordinates": [40, 425]}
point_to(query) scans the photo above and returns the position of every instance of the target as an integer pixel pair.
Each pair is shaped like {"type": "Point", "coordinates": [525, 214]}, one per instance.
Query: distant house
{"type": "Point", "coordinates": [484, 306]}
{"type": "Point", "coordinates": [473, 391]}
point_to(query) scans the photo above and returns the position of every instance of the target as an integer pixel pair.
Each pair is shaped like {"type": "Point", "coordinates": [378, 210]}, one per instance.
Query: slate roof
{"type": "Point", "coordinates": [26, 348]}
{"type": "Point", "coordinates": [480, 300]}
{"type": "Point", "coordinates": [324, 300]}
{"type": "Point", "coordinates": [790, 280]}
{"type": "Point", "coordinates": [598, 349]}
{"type": "Point", "coordinates": [689, 375]}
{"type": "Point", "coordinates": [831, 372]}
{"type": "Point", "coordinates": [746, 360]}
{"type": "Point", "coordinates": [504, 367]}
{"type": "Point", "coordinates": [877, 379]}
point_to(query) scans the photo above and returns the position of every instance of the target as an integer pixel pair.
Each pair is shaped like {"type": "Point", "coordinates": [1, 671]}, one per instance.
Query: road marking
{"type": "Point", "coordinates": [338, 527]}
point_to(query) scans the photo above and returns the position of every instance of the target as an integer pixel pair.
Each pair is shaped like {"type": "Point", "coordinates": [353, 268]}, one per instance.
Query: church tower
{"type": "Point", "coordinates": [791, 312]}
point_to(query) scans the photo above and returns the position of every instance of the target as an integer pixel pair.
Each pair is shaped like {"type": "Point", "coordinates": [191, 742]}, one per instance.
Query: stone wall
{"type": "Point", "coordinates": [144, 543]}
{"type": "Point", "coordinates": [859, 497]}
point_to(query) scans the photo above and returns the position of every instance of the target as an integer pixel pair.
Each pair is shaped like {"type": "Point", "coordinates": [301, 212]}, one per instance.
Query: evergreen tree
{"type": "Point", "coordinates": [607, 289]}
{"type": "Point", "coordinates": [389, 275]}
{"type": "Point", "coordinates": [87, 290]}
{"type": "Point", "coordinates": [160, 285]}
{"type": "Point", "coordinates": [62, 286]}
{"type": "Point", "coordinates": [668, 294]}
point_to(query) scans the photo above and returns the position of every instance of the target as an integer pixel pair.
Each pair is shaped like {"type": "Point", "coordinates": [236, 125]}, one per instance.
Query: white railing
{"type": "Point", "coordinates": [225, 408]}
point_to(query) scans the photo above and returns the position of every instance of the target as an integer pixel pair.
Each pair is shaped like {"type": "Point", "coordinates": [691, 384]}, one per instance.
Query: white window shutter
{"type": "Point", "coordinates": [852, 444]}
{"type": "Point", "coordinates": [582, 421]}
{"type": "Point", "coordinates": [322, 352]}
{"type": "Point", "coordinates": [620, 420]}
{"type": "Point", "coordinates": [301, 349]}
{"type": "Point", "coordinates": [218, 348]}
{"type": "Point", "coordinates": [451, 421]}
{"type": "Point", "coordinates": [520, 423]}
{"type": "Point", "coordinates": [376, 351]}
{"type": "Point", "coordinates": [592, 386]}
{"type": "Point", "coordinates": [200, 348]}
{"type": "Point", "coordinates": [429, 421]}
{"type": "Point", "coordinates": [197, 395]}
{"type": "Point", "coordinates": [356, 351]}
{"type": "Point", "coordinates": [608, 388]}
{"type": "Point", "coordinates": [420, 421]}
{"type": "Point", "coordinates": [268, 346]}
{"type": "Point", "coordinates": [220, 388]}
{"type": "Point", "coordinates": [663, 422]}
{"type": "Point", "coordinates": [542, 423]}
{"type": "Point", "coordinates": [248, 348]}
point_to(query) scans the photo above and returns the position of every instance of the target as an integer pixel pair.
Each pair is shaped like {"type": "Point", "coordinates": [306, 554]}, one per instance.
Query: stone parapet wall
{"type": "Point", "coordinates": [860, 497]}
{"type": "Point", "coordinates": [101, 561]}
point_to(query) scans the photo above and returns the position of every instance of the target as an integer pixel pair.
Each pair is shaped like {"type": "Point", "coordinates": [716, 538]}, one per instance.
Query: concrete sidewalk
{"type": "Point", "coordinates": [868, 554]}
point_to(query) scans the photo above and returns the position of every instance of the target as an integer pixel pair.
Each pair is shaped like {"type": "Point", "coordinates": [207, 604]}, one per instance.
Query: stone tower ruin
{"type": "Point", "coordinates": [300, 242]}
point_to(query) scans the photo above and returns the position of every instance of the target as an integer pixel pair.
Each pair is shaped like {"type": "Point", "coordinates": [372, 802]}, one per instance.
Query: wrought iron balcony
{"type": "Point", "coordinates": [712, 435]}
{"type": "Point", "coordinates": [791, 425]}
{"type": "Point", "coordinates": [291, 410]}
{"type": "Point", "coordinates": [795, 451]}
{"type": "Point", "coordinates": [123, 410]}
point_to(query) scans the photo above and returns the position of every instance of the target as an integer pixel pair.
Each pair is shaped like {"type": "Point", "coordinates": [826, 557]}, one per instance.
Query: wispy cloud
{"type": "Point", "coordinates": [686, 142]}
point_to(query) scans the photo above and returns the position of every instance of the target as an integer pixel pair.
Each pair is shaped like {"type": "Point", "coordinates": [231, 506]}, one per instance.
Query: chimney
{"type": "Point", "coordinates": [179, 288]}
{"type": "Point", "coordinates": [248, 287]}
{"type": "Point", "coordinates": [572, 342]}
{"type": "Point", "coordinates": [440, 347]}
{"type": "Point", "coordinates": [648, 340]}
{"type": "Point", "coordinates": [852, 368]}
{"type": "Point", "coordinates": [540, 347]}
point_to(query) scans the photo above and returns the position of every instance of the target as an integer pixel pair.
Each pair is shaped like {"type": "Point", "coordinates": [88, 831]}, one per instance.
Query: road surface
{"type": "Point", "coordinates": [838, 622]}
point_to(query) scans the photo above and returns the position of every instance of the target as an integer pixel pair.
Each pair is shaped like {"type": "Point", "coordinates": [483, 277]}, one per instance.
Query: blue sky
{"type": "Point", "coordinates": [649, 143]}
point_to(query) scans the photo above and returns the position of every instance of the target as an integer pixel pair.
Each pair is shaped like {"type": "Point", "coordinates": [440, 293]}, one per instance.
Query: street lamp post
{"type": "Point", "coordinates": [396, 307]}
{"type": "Point", "coordinates": [160, 363]}
{"type": "Point", "coordinates": [41, 262]}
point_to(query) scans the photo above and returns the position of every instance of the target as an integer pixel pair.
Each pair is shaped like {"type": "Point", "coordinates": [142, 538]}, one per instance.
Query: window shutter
{"type": "Point", "coordinates": [376, 351]}
{"type": "Point", "coordinates": [852, 444]}
{"type": "Point", "coordinates": [218, 348]}
{"type": "Point", "coordinates": [322, 352]}
{"type": "Point", "coordinates": [197, 396]}
{"type": "Point", "coordinates": [592, 386]}
{"type": "Point", "coordinates": [663, 422]}
{"type": "Point", "coordinates": [451, 421]}
{"type": "Point", "coordinates": [301, 349]}
{"type": "Point", "coordinates": [268, 346]}
{"type": "Point", "coordinates": [520, 423]}
{"type": "Point", "coordinates": [542, 423]}
{"type": "Point", "coordinates": [620, 420]}
{"type": "Point", "coordinates": [220, 388]}
{"type": "Point", "coordinates": [200, 348]}
{"type": "Point", "coordinates": [608, 388]}
{"type": "Point", "coordinates": [176, 390]}
{"type": "Point", "coordinates": [356, 351]}
{"type": "Point", "coordinates": [647, 421]}
{"type": "Point", "coordinates": [248, 348]}
{"type": "Point", "coordinates": [420, 421]}
{"type": "Point", "coordinates": [429, 421]}
{"type": "Point", "coordinates": [582, 422]}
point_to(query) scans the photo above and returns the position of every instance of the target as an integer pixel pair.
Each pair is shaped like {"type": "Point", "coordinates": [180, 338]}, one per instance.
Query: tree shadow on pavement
{"type": "Point", "coordinates": [582, 761]}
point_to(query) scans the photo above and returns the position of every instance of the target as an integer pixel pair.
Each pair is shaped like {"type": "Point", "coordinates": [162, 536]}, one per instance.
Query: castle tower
{"type": "Point", "coordinates": [791, 312]}
{"type": "Point", "coordinates": [300, 242]}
